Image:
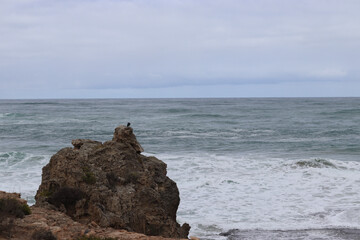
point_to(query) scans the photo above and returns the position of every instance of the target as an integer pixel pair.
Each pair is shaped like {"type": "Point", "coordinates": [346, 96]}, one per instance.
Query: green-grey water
{"type": "Point", "coordinates": [250, 164]}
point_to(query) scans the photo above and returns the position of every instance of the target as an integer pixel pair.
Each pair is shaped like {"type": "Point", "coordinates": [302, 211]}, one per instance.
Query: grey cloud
{"type": "Point", "coordinates": [115, 44]}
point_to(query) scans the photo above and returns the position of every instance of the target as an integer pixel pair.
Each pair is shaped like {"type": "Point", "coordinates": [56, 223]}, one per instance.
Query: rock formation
{"type": "Point", "coordinates": [18, 222]}
{"type": "Point", "coordinates": [12, 207]}
{"type": "Point", "coordinates": [113, 185]}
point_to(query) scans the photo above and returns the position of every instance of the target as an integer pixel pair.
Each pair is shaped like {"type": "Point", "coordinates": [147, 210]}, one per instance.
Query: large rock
{"type": "Point", "coordinates": [113, 185]}
{"type": "Point", "coordinates": [45, 224]}
{"type": "Point", "coordinates": [18, 221]}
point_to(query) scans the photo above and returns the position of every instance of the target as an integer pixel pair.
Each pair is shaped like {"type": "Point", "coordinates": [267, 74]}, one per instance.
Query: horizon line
{"type": "Point", "coordinates": [159, 98]}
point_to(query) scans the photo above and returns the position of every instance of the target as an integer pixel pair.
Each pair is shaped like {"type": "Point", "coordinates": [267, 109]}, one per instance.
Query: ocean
{"type": "Point", "coordinates": [246, 168]}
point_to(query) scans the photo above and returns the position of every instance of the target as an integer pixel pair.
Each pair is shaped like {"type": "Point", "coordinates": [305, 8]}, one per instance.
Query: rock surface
{"type": "Point", "coordinates": [48, 224]}
{"type": "Point", "coordinates": [113, 185]}
{"type": "Point", "coordinates": [12, 207]}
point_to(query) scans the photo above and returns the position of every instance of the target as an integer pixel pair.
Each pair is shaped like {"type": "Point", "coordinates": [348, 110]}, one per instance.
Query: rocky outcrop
{"type": "Point", "coordinates": [37, 223]}
{"type": "Point", "coordinates": [12, 207]}
{"type": "Point", "coordinates": [125, 135]}
{"type": "Point", "coordinates": [113, 185]}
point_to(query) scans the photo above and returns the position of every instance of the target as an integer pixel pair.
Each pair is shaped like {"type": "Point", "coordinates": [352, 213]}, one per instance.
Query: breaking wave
{"type": "Point", "coordinates": [308, 234]}
{"type": "Point", "coordinates": [258, 192]}
{"type": "Point", "coordinates": [21, 172]}
{"type": "Point", "coordinates": [316, 163]}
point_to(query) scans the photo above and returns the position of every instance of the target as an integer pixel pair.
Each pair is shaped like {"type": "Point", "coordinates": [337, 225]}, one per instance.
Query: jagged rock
{"type": "Point", "coordinates": [113, 185]}
{"type": "Point", "coordinates": [16, 196]}
{"type": "Point", "coordinates": [48, 224]}
{"type": "Point", "coordinates": [77, 143]}
{"type": "Point", "coordinates": [125, 135]}
{"type": "Point", "coordinates": [12, 207]}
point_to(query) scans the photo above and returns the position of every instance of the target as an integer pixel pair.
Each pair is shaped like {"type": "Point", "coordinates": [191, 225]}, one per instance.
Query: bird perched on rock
{"type": "Point", "coordinates": [128, 125]}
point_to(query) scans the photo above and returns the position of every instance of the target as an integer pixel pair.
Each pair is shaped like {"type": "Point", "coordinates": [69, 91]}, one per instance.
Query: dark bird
{"type": "Point", "coordinates": [128, 125]}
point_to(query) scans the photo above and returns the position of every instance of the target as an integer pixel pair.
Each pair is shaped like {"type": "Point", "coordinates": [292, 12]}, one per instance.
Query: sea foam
{"type": "Point", "coordinates": [256, 192]}
{"type": "Point", "coordinates": [21, 172]}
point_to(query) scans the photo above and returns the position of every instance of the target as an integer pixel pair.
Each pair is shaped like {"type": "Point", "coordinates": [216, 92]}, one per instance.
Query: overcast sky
{"type": "Point", "coordinates": [179, 48]}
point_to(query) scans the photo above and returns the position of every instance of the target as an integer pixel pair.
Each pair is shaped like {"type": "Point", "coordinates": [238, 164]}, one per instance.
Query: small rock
{"type": "Point", "coordinates": [55, 229]}
{"type": "Point", "coordinates": [125, 134]}
{"type": "Point", "coordinates": [194, 238]}
{"type": "Point", "coordinates": [78, 143]}
{"type": "Point", "coordinates": [93, 224]}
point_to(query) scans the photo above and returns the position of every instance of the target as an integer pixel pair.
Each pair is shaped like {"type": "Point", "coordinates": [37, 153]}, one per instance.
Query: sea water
{"type": "Point", "coordinates": [260, 168]}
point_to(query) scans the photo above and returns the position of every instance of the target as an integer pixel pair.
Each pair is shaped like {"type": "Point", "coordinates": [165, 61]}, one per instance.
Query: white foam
{"type": "Point", "coordinates": [4, 115]}
{"type": "Point", "coordinates": [231, 134]}
{"type": "Point", "coordinates": [21, 173]}
{"type": "Point", "coordinates": [256, 192]}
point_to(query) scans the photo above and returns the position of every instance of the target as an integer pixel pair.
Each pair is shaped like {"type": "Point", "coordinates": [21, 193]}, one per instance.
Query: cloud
{"type": "Point", "coordinates": [92, 44]}
{"type": "Point", "coordinates": [330, 73]}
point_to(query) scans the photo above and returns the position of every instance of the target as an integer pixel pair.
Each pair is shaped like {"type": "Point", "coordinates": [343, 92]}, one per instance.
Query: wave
{"type": "Point", "coordinates": [20, 160]}
{"type": "Point", "coordinates": [255, 191]}
{"type": "Point", "coordinates": [21, 172]}
{"type": "Point", "coordinates": [13, 115]}
{"type": "Point", "coordinates": [349, 111]}
{"type": "Point", "coordinates": [175, 110]}
{"type": "Point", "coordinates": [55, 102]}
{"type": "Point", "coordinates": [11, 158]}
{"type": "Point", "coordinates": [205, 115]}
{"type": "Point", "coordinates": [308, 234]}
{"type": "Point", "coordinates": [337, 132]}
{"type": "Point", "coordinates": [315, 163]}
{"type": "Point", "coordinates": [342, 113]}
{"type": "Point", "coordinates": [236, 133]}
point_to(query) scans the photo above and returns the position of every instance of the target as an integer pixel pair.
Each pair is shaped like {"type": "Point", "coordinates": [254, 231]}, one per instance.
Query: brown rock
{"type": "Point", "coordinates": [194, 238]}
{"type": "Point", "coordinates": [77, 143]}
{"type": "Point", "coordinates": [49, 224]}
{"type": "Point", "coordinates": [12, 207]}
{"type": "Point", "coordinates": [125, 135]}
{"type": "Point", "coordinates": [113, 185]}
